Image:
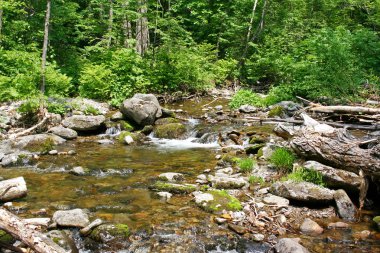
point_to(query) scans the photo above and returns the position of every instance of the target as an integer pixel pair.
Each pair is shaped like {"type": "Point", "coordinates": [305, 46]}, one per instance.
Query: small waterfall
{"type": "Point", "coordinates": [113, 131]}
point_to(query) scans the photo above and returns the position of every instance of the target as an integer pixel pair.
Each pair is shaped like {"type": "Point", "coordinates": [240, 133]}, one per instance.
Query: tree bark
{"type": "Point", "coordinates": [45, 46]}
{"type": "Point", "coordinates": [1, 20]}
{"type": "Point", "coordinates": [142, 32]}
{"type": "Point", "coordinates": [345, 109]}
{"type": "Point", "coordinates": [27, 233]}
{"type": "Point", "coordinates": [127, 27]}
{"type": "Point", "coordinates": [110, 24]}
{"type": "Point", "coordinates": [12, 189]}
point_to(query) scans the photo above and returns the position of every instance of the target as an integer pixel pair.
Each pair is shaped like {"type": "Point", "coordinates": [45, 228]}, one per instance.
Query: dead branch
{"type": "Point", "coordinates": [344, 109]}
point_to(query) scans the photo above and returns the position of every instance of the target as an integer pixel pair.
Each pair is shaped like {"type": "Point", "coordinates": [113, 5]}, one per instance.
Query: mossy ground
{"type": "Point", "coordinates": [222, 201]}
{"type": "Point", "coordinates": [170, 131]}
{"type": "Point", "coordinates": [174, 188]}
{"type": "Point", "coordinates": [6, 238]}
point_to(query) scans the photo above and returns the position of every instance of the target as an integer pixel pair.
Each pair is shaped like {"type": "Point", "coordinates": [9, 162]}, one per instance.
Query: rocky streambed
{"type": "Point", "coordinates": [176, 186]}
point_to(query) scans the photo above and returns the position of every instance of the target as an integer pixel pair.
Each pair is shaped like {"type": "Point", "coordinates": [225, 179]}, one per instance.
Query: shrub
{"type": "Point", "coordinates": [282, 159]}
{"type": "Point", "coordinates": [307, 175]}
{"type": "Point", "coordinates": [256, 180]}
{"type": "Point", "coordinates": [95, 82]}
{"type": "Point", "coordinates": [246, 164]}
{"type": "Point", "coordinates": [243, 97]}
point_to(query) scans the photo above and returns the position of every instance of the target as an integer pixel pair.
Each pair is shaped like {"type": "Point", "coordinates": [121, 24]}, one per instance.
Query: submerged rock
{"type": "Point", "coordinates": [171, 177]}
{"type": "Point", "coordinates": [225, 181]}
{"type": "Point", "coordinates": [289, 245]}
{"type": "Point", "coordinates": [346, 209]}
{"type": "Point", "coordinates": [142, 109]}
{"type": "Point", "coordinates": [310, 227]}
{"type": "Point", "coordinates": [37, 142]}
{"type": "Point", "coordinates": [114, 237]}
{"type": "Point", "coordinates": [84, 123]}
{"type": "Point", "coordinates": [174, 188]}
{"type": "Point", "coordinates": [64, 132]}
{"type": "Point", "coordinates": [215, 201]}
{"type": "Point", "coordinates": [71, 218]}
{"type": "Point", "coordinates": [302, 191]}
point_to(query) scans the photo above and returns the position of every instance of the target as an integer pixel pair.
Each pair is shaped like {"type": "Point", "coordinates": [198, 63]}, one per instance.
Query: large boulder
{"type": "Point", "coordinates": [302, 191]}
{"type": "Point", "coordinates": [336, 178]}
{"type": "Point", "coordinates": [64, 132]}
{"type": "Point", "coordinates": [37, 141]}
{"type": "Point", "coordinates": [71, 218]}
{"type": "Point", "coordinates": [84, 123]}
{"type": "Point", "coordinates": [346, 209]}
{"type": "Point", "coordinates": [87, 105]}
{"type": "Point", "coordinates": [170, 131]}
{"type": "Point", "coordinates": [143, 109]}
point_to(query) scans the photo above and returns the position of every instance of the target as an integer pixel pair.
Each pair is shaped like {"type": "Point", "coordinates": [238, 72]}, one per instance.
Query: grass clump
{"type": "Point", "coordinates": [246, 164]}
{"type": "Point", "coordinates": [223, 200]}
{"type": "Point", "coordinates": [246, 97]}
{"type": "Point", "coordinates": [256, 180]}
{"type": "Point", "coordinates": [282, 159]}
{"type": "Point", "coordinates": [276, 111]}
{"type": "Point", "coordinates": [306, 175]}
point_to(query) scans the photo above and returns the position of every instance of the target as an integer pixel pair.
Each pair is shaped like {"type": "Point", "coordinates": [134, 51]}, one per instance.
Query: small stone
{"type": "Point", "coordinates": [258, 237]}
{"type": "Point", "coordinates": [218, 157]}
{"type": "Point", "coordinates": [202, 177]}
{"type": "Point", "coordinates": [263, 191]}
{"type": "Point", "coordinates": [362, 235]}
{"type": "Point", "coordinates": [281, 219]}
{"type": "Point", "coordinates": [171, 177]}
{"type": "Point", "coordinates": [71, 152]}
{"type": "Point", "coordinates": [105, 142]}
{"type": "Point", "coordinates": [165, 195]}
{"type": "Point", "coordinates": [207, 171]}
{"type": "Point", "coordinates": [53, 152]}
{"type": "Point", "coordinates": [128, 140]}
{"type": "Point", "coordinates": [219, 107]}
{"type": "Point", "coordinates": [310, 227]}
{"type": "Point", "coordinates": [237, 229]}
{"type": "Point", "coordinates": [238, 216]}
{"type": "Point", "coordinates": [220, 220]}
{"type": "Point", "coordinates": [260, 205]}
{"type": "Point", "coordinates": [338, 225]}
{"type": "Point", "coordinates": [289, 245]}
{"type": "Point", "coordinates": [247, 109]}
{"type": "Point", "coordinates": [79, 171]}
{"type": "Point", "coordinates": [117, 116]}
{"type": "Point", "coordinates": [71, 218]}
{"type": "Point", "coordinates": [275, 200]}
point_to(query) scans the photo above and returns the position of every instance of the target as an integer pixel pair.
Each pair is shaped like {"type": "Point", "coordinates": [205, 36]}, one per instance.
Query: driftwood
{"type": "Point", "coordinates": [30, 130]}
{"type": "Point", "coordinates": [27, 233]}
{"type": "Point", "coordinates": [344, 109]}
{"type": "Point", "coordinates": [301, 122]}
{"type": "Point", "coordinates": [12, 189]}
{"type": "Point", "coordinates": [335, 147]}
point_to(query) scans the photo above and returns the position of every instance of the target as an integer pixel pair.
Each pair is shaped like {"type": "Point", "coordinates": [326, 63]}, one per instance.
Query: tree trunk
{"type": "Point", "coordinates": [45, 46]}
{"type": "Point", "coordinates": [127, 27]}
{"type": "Point", "coordinates": [344, 109]}
{"type": "Point", "coordinates": [27, 233]}
{"type": "Point", "coordinates": [1, 19]}
{"type": "Point", "coordinates": [110, 24]}
{"type": "Point", "coordinates": [12, 189]}
{"type": "Point", "coordinates": [142, 32]}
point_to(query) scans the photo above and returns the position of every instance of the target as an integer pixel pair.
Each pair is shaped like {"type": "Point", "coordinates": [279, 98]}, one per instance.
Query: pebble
{"type": "Point", "coordinates": [258, 237]}
{"type": "Point", "coordinates": [338, 225]}
{"type": "Point", "coordinates": [218, 157]}
{"type": "Point", "coordinates": [220, 220]}
{"type": "Point", "coordinates": [310, 227]}
{"type": "Point", "coordinates": [238, 229]}
{"type": "Point", "coordinates": [53, 152]}
{"type": "Point", "coordinates": [71, 152]}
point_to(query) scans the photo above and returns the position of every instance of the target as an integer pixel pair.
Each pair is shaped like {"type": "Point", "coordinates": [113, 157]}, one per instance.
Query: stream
{"type": "Point", "coordinates": [116, 189]}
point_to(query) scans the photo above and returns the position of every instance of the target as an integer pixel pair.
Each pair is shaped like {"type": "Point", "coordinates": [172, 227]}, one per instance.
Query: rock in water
{"type": "Point", "coordinates": [289, 245]}
{"type": "Point", "coordinates": [171, 177]}
{"type": "Point", "coordinates": [12, 188]}
{"type": "Point", "coordinates": [143, 109]}
{"type": "Point", "coordinates": [310, 227]}
{"type": "Point", "coordinates": [64, 132]}
{"type": "Point", "coordinates": [71, 218]}
{"type": "Point", "coordinates": [346, 209]}
{"type": "Point", "coordinates": [302, 191]}
{"type": "Point", "coordinates": [84, 123]}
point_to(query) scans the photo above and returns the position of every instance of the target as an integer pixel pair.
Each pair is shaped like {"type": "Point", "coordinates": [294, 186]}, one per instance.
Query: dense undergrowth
{"type": "Point", "coordinates": [319, 49]}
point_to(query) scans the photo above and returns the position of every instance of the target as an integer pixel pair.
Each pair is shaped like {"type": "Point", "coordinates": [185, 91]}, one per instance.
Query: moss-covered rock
{"type": "Point", "coordinates": [257, 140]}
{"type": "Point", "coordinates": [6, 238]}
{"type": "Point", "coordinates": [170, 131]}
{"type": "Point", "coordinates": [377, 221]}
{"type": "Point", "coordinates": [164, 121]}
{"type": "Point", "coordinates": [254, 149]}
{"type": "Point", "coordinates": [126, 126]}
{"type": "Point", "coordinates": [110, 233]}
{"type": "Point", "coordinates": [173, 188]}
{"type": "Point", "coordinates": [215, 201]}
{"type": "Point", "coordinates": [277, 111]}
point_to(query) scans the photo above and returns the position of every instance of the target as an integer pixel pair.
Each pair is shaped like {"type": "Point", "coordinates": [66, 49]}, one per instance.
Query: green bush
{"type": "Point", "coordinates": [256, 180]}
{"type": "Point", "coordinates": [282, 159]}
{"type": "Point", "coordinates": [246, 164]}
{"type": "Point", "coordinates": [96, 81]}
{"type": "Point", "coordinates": [307, 175]}
{"type": "Point", "coordinates": [243, 97]}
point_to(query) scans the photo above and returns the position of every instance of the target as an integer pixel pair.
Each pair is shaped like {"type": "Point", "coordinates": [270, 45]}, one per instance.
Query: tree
{"type": "Point", "coordinates": [142, 32]}
{"type": "Point", "coordinates": [45, 46]}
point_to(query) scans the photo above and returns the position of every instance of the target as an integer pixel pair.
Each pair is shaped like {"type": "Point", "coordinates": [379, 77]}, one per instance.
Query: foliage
{"type": "Point", "coordinates": [246, 97]}
{"type": "Point", "coordinates": [30, 106]}
{"type": "Point", "coordinates": [282, 159]}
{"type": "Point", "coordinates": [307, 175]}
{"type": "Point", "coordinates": [246, 164]}
{"type": "Point", "coordinates": [256, 180]}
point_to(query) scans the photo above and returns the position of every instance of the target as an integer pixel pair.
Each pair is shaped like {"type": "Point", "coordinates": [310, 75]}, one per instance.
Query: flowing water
{"type": "Point", "coordinates": [116, 188]}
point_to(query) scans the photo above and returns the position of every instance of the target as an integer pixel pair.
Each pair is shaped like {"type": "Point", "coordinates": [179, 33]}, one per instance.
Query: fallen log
{"type": "Point", "coordinates": [334, 147]}
{"type": "Point", "coordinates": [12, 189]}
{"type": "Point", "coordinates": [26, 233]}
{"type": "Point", "coordinates": [344, 109]}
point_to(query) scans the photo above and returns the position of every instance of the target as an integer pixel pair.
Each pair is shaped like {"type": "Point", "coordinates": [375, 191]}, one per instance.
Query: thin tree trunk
{"type": "Point", "coordinates": [127, 27]}
{"type": "Point", "coordinates": [1, 20]}
{"type": "Point", "coordinates": [142, 32]}
{"type": "Point", "coordinates": [45, 46]}
{"type": "Point", "coordinates": [110, 24]}
{"type": "Point", "coordinates": [249, 29]}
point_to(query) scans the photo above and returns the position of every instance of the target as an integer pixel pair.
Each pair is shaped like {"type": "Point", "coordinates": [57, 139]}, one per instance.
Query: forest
{"type": "Point", "coordinates": [112, 49]}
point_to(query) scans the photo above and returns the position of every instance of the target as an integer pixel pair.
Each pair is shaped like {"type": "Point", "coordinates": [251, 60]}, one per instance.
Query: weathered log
{"type": "Point", "coordinates": [12, 189]}
{"type": "Point", "coordinates": [344, 109]}
{"type": "Point", "coordinates": [26, 233]}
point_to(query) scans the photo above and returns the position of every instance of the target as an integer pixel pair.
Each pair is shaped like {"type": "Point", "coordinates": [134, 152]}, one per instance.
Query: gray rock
{"type": "Point", "coordinates": [302, 191]}
{"type": "Point", "coordinates": [29, 141]}
{"type": "Point", "coordinates": [275, 200]}
{"type": "Point", "coordinates": [223, 181]}
{"type": "Point", "coordinates": [336, 178]}
{"type": "Point", "coordinates": [71, 218]}
{"type": "Point", "coordinates": [247, 109]}
{"type": "Point", "coordinates": [62, 238]}
{"type": "Point", "coordinates": [164, 195]}
{"type": "Point", "coordinates": [105, 141]}
{"type": "Point", "coordinates": [171, 177]}
{"type": "Point", "coordinates": [289, 245]}
{"type": "Point", "coordinates": [310, 227]}
{"type": "Point", "coordinates": [16, 158]}
{"type": "Point", "coordinates": [84, 123]}
{"type": "Point", "coordinates": [258, 237]}
{"type": "Point", "coordinates": [82, 104]}
{"type": "Point", "coordinates": [219, 107]}
{"type": "Point", "coordinates": [79, 171]}
{"type": "Point", "coordinates": [128, 140]}
{"type": "Point", "coordinates": [117, 116]}
{"type": "Point", "coordinates": [142, 109]}
{"type": "Point", "coordinates": [346, 209]}
{"type": "Point", "coordinates": [64, 132]}
{"type": "Point", "coordinates": [201, 199]}
{"type": "Point", "coordinates": [53, 152]}
{"type": "Point", "coordinates": [289, 107]}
